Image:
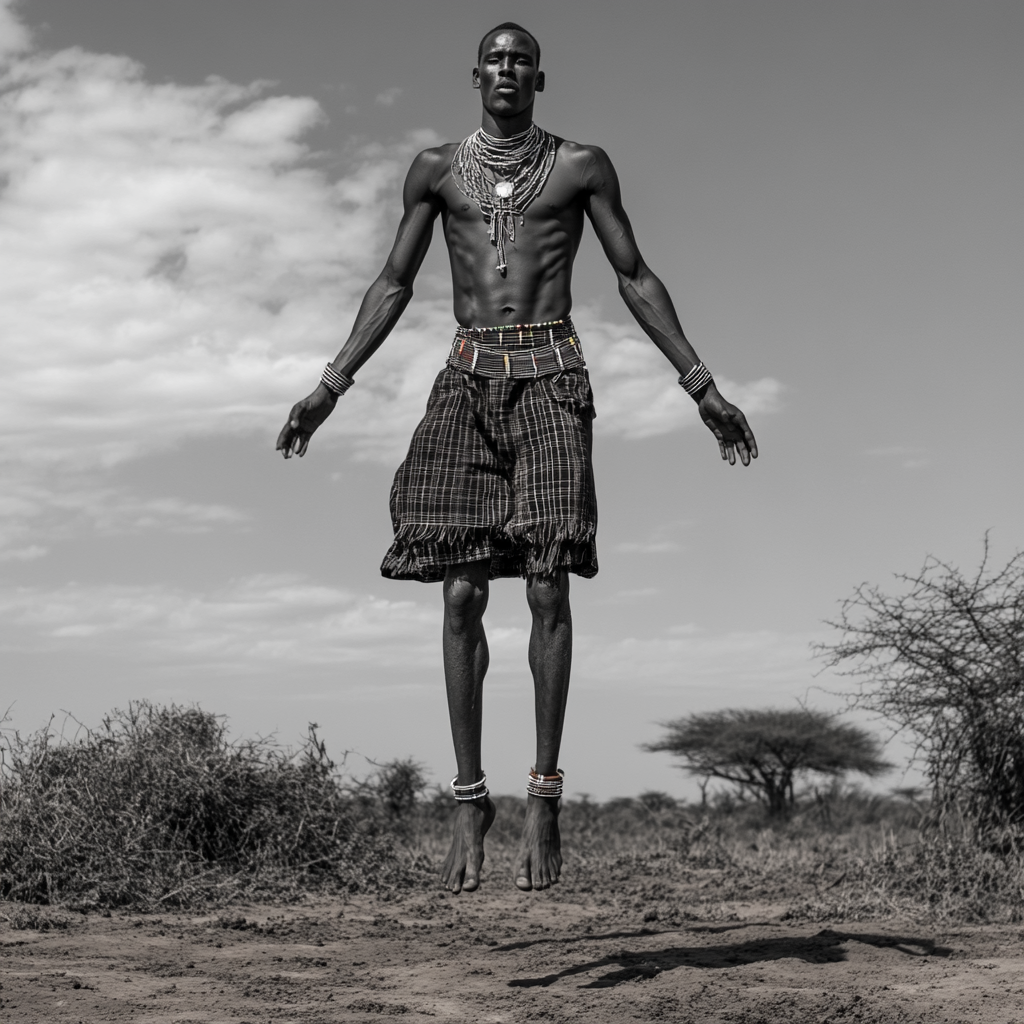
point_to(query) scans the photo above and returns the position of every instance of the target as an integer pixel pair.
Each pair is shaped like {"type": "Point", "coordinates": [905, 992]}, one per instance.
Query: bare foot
{"type": "Point", "coordinates": [540, 860]}
{"type": "Point", "coordinates": [461, 870]}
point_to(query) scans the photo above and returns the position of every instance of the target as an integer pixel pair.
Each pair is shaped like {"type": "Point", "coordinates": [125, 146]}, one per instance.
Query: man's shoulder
{"type": "Point", "coordinates": [578, 150]}
{"type": "Point", "coordinates": [435, 157]}
{"type": "Point", "coordinates": [431, 166]}
{"type": "Point", "coordinates": [591, 163]}
{"type": "Point", "coordinates": [438, 154]}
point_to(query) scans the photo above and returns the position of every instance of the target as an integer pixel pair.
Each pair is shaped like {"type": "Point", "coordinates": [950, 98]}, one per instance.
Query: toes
{"type": "Point", "coordinates": [451, 879]}
{"type": "Point", "coordinates": [523, 877]}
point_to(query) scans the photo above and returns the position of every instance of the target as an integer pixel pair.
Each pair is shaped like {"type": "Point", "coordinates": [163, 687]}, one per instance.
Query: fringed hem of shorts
{"type": "Point", "coordinates": [422, 552]}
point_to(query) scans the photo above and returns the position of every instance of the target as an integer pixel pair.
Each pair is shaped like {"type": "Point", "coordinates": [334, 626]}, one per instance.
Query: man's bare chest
{"type": "Point", "coordinates": [560, 202]}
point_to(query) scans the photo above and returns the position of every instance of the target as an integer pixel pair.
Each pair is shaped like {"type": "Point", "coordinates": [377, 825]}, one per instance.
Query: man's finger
{"type": "Point", "coordinates": [748, 436]}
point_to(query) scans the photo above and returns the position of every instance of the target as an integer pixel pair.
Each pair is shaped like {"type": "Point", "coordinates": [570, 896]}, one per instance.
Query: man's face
{"type": "Point", "coordinates": [507, 76]}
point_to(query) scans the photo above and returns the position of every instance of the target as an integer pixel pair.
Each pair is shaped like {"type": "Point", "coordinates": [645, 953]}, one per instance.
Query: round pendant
{"type": "Point", "coordinates": [504, 189]}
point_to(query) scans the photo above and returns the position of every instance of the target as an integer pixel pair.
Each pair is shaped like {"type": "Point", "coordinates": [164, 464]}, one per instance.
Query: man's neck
{"type": "Point", "coordinates": [506, 127]}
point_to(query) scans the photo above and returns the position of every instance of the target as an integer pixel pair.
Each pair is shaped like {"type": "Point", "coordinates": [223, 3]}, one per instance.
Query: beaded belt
{"type": "Point", "coordinates": [520, 350]}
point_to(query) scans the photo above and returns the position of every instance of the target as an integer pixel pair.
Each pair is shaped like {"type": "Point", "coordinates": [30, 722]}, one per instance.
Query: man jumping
{"type": "Point", "coordinates": [498, 480]}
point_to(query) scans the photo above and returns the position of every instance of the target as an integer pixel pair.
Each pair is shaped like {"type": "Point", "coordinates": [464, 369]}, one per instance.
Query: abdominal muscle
{"type": "Point", "coordinates": [536, 286]}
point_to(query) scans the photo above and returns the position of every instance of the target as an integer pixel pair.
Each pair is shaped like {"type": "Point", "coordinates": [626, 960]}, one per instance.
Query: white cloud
{"type": "Point", "coordinates": [637, 390]}
{"type": "Point", "coordinates": [14, 36]}
{"type": "Point", "coordinates": [691, 657]}
{"type": "Point", "coordinates": [258, 622]}
{"type": "Point", "coordinates": [660, 541]}
{"type": "Point", "coordinates": [174, 265]}
{"type": "Point", "coordinates": [262, 623]}
{"type": "Point", "coordinates": [58, 509]}
{"type": "Point", "coordinates": [388, 96]}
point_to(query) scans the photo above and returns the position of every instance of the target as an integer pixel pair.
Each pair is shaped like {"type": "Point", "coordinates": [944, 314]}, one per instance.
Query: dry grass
{"type": "Point", "coordinates": [845, 855]}
{"type": "Point", "coordinates": [158, 808]}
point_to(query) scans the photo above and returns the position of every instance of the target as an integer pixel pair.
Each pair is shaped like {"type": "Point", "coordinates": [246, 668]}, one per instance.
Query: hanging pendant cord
{"type": "Point", "coordinates": [519, 165]}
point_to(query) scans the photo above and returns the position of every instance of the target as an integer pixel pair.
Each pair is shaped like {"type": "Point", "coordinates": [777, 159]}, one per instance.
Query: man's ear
{"type": "Point", "coordinates": [539, 87]}
{"type": "Point", "coordinates": [476, 78]}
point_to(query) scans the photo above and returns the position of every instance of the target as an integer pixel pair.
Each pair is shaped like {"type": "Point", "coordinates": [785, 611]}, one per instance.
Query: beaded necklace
{"type": "Point", "coordinates": [519, 165]}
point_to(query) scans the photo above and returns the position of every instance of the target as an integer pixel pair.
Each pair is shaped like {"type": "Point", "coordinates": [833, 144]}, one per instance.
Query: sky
{"type": "Point", "coordinates": [193, 199]}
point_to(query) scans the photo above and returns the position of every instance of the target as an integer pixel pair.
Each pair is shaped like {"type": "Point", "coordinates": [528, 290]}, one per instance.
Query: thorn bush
{"type": "Point", "coordinates": [158, 807]}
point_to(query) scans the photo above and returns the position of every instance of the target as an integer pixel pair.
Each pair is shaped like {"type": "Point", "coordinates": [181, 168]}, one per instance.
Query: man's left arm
{"type": "Point", "coordinates": [648, 300]}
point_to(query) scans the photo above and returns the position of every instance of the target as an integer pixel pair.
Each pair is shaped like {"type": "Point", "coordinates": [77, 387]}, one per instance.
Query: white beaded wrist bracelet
{"type": "Point", "coordinates": [336, 383]}
{"type": "Point", "coordinates": [699, 377]}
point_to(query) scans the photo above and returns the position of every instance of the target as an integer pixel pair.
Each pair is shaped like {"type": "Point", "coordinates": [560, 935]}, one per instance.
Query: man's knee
{"type": "Point", "coordinates": [548, 594]}
{"type": "Point", "coordinates": [465, 591]}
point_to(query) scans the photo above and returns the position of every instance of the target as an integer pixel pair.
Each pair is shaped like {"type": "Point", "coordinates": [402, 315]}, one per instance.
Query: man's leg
{"type": "Point", "coordinates": [465, 664]}
{"type": "Point", "coordinates": [540, 860]}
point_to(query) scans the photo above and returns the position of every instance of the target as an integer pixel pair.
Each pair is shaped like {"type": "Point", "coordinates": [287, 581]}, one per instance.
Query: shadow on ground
{"type": "Point", "coordinates": [827, 947]}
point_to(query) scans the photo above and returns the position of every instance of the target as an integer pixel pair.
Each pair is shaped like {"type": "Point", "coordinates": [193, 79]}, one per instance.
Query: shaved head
{"type": "Point", "coordinates": [507, 26]}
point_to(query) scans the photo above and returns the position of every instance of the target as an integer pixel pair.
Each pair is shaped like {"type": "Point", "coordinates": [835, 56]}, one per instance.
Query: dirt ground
{"type": "Point", "coordinates": [583, 953]}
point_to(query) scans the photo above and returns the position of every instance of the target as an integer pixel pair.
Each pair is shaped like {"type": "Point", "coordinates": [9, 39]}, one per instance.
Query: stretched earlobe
{"type": "Point", "coordinates": [539, 87]}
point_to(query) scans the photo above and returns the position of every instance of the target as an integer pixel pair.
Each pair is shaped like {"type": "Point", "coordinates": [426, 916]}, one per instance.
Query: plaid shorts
{"type": "Point", "coordinates": [498, 469]}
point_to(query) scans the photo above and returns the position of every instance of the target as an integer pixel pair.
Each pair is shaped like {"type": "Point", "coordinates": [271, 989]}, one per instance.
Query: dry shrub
{"type": "Point", "coordinates": [944, 661]}
{"type": "Point", "coordinates": [159, 807]}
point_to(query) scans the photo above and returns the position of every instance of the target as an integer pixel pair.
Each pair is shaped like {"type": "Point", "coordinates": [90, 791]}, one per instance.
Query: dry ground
{"type": "Point", "coordinates": [584, 952]}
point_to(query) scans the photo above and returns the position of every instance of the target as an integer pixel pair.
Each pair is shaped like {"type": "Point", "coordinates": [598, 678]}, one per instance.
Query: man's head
{"type": "Point", "coordinates": [507, 74]}
{"type": "Point", "coordinates": [506, 26]}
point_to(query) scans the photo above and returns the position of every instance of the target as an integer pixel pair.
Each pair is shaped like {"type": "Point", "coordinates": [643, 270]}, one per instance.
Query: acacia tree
{"type": "Point", "coordinates": [763, 751]}
{"type": "Point", "coordinates": [945, 661]}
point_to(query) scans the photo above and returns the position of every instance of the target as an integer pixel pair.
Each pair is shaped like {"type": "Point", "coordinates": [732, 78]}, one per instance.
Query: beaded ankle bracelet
{"type": "Point", "coordinates": [336, 383]}
{"type": "Point", "coordinates": [699, 377]}
{"type": "Point", "coordinates": [545, 785]}
{"type": "Point", "coordinates": [471, 792]}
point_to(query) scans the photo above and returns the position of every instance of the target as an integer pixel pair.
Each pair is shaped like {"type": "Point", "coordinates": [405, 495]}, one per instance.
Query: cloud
{"type": "Point", "coordinates": [263, 623]}
{"type": "Point", "coordinates": [660, 541]}
{"type": "Point", "coordinates": [388, 96]}
{"type": "Point", "coordinates": [637, 389]}
{"type": "Point", "coordinates": [175, 265]}
{"type": "Point", "coordinates": [691, 657]}
{"type": "Point", "coordinates": [14, 36]}
{"type": "Point", "coordinates": [251, 625]}
{"type": "Point", "coordinates": [58, 509]}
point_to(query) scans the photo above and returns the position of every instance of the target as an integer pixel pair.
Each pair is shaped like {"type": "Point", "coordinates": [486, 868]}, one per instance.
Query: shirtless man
{"type": "Point", "coordinates": [498, 481]}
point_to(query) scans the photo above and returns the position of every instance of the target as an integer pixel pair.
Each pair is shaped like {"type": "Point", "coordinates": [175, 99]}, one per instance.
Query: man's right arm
{"type": "Point", "coordinates": [383, 304]}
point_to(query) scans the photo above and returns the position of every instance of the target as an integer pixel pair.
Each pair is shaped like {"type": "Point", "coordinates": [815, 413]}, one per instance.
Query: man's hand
{"type": "Point", "coordinates": [304, 418]}
{"type": "Point", "coordinates": [729, 426]}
